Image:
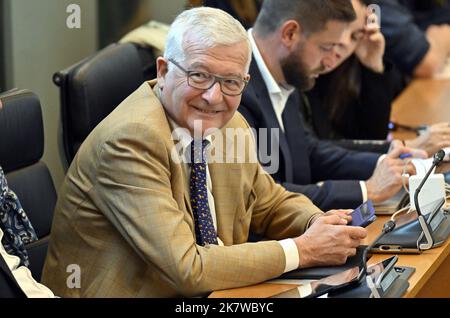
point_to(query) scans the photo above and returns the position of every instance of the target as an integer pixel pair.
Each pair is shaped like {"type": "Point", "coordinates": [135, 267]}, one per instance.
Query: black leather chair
{"type": "Point", "coordinates": [92, 88]}
{"type": "Point", "coordinates": [21, 149]}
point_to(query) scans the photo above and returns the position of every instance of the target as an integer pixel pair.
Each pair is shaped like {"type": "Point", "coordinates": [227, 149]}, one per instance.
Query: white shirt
{"type": "Point", "coordinates": [184, 138]}
{"type": "Point", "coordinates": [279, 95]}
{"type": "Point", "coordinates": [23, 276]}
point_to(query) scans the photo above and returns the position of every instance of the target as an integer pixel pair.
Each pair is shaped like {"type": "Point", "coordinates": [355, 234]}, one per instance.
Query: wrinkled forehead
{"type": "Point", "coordinates": [230, 59]}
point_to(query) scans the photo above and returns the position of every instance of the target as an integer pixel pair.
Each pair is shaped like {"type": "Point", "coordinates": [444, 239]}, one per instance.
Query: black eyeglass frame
{"type": "Point", "coordinates": [217, 78]}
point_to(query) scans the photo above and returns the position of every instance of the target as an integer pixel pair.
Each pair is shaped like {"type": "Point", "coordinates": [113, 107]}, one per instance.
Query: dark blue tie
{"type": "Point", "coordinates": [204, 227]}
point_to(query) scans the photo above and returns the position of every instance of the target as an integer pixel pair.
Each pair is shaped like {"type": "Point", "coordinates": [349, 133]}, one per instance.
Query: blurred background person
{"type": "Point", "coordinates": [417, 34]}
{"type": "Point", "coordinates": [351, 102]}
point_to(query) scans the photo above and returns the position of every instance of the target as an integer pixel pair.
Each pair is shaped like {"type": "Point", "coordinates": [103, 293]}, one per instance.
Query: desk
{"type": "Point", "coordinates": [431, 278]}
{"type": "Point", "coordinates": [423, 102]}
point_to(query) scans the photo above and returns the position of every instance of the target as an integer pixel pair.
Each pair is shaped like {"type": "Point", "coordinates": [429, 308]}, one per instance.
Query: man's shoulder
{"type": "Point", "coordinates": [141, 109]}
{"type": "Point", "coordinates": [237, 121]}
{"type": "Point", "coordinates": [139, 118]}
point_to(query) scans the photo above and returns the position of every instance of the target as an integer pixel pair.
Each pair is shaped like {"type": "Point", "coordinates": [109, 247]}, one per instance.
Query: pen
{"type": "Point", "coordinates": [405, 155]}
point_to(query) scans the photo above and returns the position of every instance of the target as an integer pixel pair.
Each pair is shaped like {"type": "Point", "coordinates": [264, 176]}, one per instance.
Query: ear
{"type": "Point", "coordinates": [161, 71]}
{"type": "Point", "coordinates": [291, 34]}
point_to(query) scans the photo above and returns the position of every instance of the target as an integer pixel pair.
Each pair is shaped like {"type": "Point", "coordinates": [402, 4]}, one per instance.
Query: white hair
{"type": "Point", "coordinates": [210, 28]}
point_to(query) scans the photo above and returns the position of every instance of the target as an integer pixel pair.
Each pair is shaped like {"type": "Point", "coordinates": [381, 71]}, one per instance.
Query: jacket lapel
{"type": "Point", "coordinates": [270, 117]}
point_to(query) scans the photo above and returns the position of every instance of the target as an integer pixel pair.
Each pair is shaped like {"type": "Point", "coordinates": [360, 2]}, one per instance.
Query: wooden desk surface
{"type": "Point", "coordinates": [422, 102]}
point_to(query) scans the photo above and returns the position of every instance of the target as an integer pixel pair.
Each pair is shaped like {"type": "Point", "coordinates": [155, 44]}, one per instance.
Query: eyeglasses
{"type": "Point", "coordinates": [231, 86]}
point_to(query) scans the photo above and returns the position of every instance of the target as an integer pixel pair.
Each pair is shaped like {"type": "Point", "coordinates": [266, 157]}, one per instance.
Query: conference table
{"type": "Point", "coordinates": [424, 101]}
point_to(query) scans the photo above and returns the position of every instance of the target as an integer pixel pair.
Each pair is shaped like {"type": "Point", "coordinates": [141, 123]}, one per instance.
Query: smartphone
{"type": "Point", "coordinates": [363, 215]}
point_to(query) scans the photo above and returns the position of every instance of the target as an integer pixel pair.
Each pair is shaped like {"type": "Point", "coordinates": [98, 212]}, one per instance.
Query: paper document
{"type": "Point", "coordinates": [391, 205]}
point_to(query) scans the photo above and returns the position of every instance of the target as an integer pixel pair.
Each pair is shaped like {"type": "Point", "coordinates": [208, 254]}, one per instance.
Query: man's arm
{"type": "Point", "coordinates": [438, 53]}
{"type": "Point", "coordinates": [330, 162]}
{"type": "Point", "coordinates": [343, 194]}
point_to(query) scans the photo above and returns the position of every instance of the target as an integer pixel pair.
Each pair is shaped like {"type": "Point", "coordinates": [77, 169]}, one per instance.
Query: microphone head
{"type": "Point", "coordinates": [438, 156]}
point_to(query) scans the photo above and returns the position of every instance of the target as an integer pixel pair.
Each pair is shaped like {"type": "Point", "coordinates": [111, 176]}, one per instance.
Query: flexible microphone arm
{"type": "Point", "coordinates": [387, 227]}
{"type": "Point", "coordinates": [437, 159]}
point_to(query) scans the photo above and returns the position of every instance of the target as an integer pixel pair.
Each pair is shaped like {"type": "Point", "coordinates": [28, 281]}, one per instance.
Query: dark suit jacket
{"type": "Point", "coordinates": [8, 285]}
{"type": "Point", "coordinates": [305, 160]}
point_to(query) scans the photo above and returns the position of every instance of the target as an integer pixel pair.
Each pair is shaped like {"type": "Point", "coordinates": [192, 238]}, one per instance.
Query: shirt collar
{"type": "Point", "coordinates": [183, 136]}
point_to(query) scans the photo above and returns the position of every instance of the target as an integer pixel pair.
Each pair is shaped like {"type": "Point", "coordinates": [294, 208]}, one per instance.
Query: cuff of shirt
{"type": "Point", "coordinates": [363, 183]}
{"type": "Point", "coordinates": [363, 190]}
{"type": "Point", "coordinates": [291, 253]}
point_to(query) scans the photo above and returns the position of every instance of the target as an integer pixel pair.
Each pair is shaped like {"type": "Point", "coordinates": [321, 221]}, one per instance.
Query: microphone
{"type": "Point", "coordinates": [387, 227]}
{"type": "Point", "coordinates": [437, 159]}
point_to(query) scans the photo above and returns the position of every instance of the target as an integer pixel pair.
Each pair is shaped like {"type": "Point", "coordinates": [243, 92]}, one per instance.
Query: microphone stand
{"type": "Point", "coordinates": [388, 227]}
{"type": "Point", "coordinates": [438, 157]}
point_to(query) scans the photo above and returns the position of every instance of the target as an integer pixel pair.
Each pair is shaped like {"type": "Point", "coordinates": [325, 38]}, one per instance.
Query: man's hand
{"type": "Point", "coordinates": [440, 34]}
{"type": "Point", "coordinates": [386, 180]}
{"type": "Point", "coordinates": [436, 137]}
{"type": "Point", "coordinates": [343, 214]}
{"type": "Point", "coordinates": [329, 241]}
{"type": "Point", "coordinates": [370, 49]}
{"type": "Point", "coordinates": [433, 62]}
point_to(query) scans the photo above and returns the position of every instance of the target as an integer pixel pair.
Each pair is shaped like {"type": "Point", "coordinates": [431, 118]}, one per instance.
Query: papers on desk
{"type": "Point", "coordinates": [445, 73]}
{"type": "Point", "coordinates": [303, 289]}
{"type": "Point", "coordinates": [391, 205]}
{"type": "Point", "coordinates": [291, 281]}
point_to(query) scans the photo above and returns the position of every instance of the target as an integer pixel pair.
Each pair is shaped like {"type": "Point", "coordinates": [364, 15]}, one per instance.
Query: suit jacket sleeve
{"type": "Point", "coordinates": [135, 194]}
{"type": "Point", "coordinates": [338, 171]}
{"type": "Point", "coordinates": [343, 194]}
{"type": "Point", "coordinates": [331, 162]}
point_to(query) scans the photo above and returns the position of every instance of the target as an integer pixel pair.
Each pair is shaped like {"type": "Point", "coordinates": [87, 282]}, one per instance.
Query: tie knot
{"type": "Point", "coordinates": [198, 150]}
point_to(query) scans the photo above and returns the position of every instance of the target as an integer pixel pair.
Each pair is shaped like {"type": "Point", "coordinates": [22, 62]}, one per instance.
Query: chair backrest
{"type": "Point", "coordinates": [21, 149]}
{"type": "Point", "coordinates": [92, 88]}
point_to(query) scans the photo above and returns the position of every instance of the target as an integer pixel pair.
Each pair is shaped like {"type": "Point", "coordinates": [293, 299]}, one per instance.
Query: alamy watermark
{"type": "Point", "coordinates": [231, 145]}
{"type": "Point", "coordinates": [74, 279]}
{"type": "Point", "coordinates": [373, 14]}
{"type": "Point", "coordinates": [73, 20]}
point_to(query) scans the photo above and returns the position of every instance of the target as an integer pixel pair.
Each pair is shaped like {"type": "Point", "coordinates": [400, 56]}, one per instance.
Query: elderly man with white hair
{"type": "Point", "coordinates": [143, 212]}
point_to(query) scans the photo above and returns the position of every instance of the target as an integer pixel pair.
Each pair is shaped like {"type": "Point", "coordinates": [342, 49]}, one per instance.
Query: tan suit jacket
{"type": "Point", "coordinates": [124, 215]}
